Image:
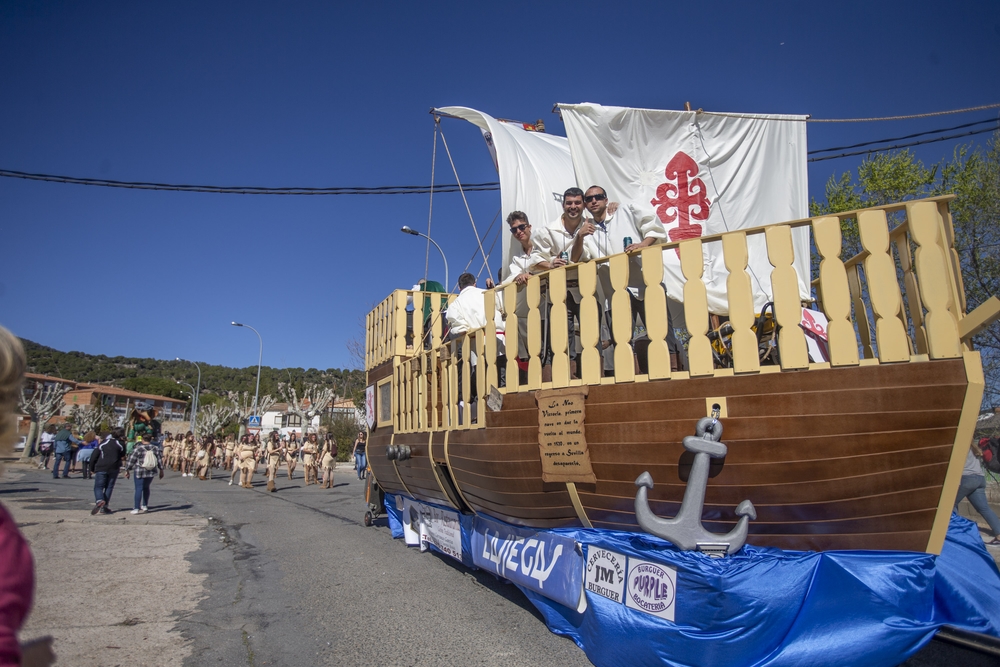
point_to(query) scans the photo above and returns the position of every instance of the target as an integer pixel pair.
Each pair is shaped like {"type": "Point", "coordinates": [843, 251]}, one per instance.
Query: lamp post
{"type": "Point", "coordinates": [194, 400]}
{"type": "Point", "coordinates": [413, 232]}
{"type": "Point", "coordinates": [259, 358]}
{"type": "Point", "coordinates": [197, 392]}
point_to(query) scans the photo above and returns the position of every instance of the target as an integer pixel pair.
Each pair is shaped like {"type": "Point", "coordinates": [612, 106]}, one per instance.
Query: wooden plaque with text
{"type": "Point", "coordinates": [562, 441]}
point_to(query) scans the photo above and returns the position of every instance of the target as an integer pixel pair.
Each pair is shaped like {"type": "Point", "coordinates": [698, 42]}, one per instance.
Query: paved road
{"type": "Point", "coordinates": [294, 578]}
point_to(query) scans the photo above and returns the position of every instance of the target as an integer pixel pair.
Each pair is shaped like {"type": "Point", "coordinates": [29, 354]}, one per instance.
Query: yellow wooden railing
{"type": "Point", "coordinates": [899, 300]}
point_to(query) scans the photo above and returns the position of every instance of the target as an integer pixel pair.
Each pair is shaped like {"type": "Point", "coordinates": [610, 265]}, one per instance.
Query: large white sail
{"type": "Point", "coordinates": [535, 168]}
{"type": "Point", "coordinates": [699, 174]}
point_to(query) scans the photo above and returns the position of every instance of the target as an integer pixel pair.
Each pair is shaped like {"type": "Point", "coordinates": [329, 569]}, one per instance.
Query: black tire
{"type": "Point", "coordinates": [368, 519]}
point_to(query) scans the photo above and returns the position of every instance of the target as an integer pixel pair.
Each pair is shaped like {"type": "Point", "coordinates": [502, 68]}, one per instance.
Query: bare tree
{"type": "Point", "coordinates": [242, 406]}
{"type": "Point", "coordinates": [90, 417]}
{"type": "Point", "coordinates": [315, 399]}
{"type": "Point", "coordinates": [40, 405]}
{"type": "Point", "coordinates": [212, 418]}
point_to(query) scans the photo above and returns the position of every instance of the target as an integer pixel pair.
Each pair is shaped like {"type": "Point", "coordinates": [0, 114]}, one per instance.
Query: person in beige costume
{"type": "Point", "coordinates": [203, 459]}
{"type": "Point", "coordinates": [292, 453]}
{"type": "Point", "coordinates": [273, 454]}
{"type": "Point", "coordinates": [328, 460]}
{"type": "Point", "coordinates": [168, 449]}
{"type": "Point", "coordinates": [310, 450]}
{"type": "Point", "coordinates": [248, 464]}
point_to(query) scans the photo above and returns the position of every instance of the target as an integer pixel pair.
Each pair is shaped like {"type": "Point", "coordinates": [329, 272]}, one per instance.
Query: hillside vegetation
{"type": "Point", "coordinates": [156, 376]}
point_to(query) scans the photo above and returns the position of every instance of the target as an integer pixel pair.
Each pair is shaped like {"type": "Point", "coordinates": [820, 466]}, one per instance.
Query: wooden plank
{"type": "Point", "coordinates": [534, 296]}
{"type": "Point", "coordinates": [912, 292]}
{"type": "Point", "coordinates": [658, 354]}
{"type": "Point", "coordinates": [696, 308]}
{"type": "Point", "coordinates": [590, 328]}
{"type": "Point", "coordinates": [787, 301]}
{"type": "Point", "coordinates": [883, 289]}
{"type": "Point", "coordinates": [621, 318]}
{"type": "Point", "coordinates": [511, 336]}
{"type": "Point", "coordinates": [559, 327]}
{"type": "Point", "coordinates": [746, 358]}
{"type": "Point", "coordinates": [941, 322]}
{"type": "Point", "coordinates": [860, 311]}
{"type": "Point", "coordinates": [835, 292]}
{"type": "Point", "coordinates": [490, 345]}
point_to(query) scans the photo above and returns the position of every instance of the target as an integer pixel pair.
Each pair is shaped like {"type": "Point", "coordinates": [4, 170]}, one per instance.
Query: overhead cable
{"type": "Point", "coordinates": [254, 190]}
{"type": "Point", "coordinates": [897, 146]}
{"type": "Point", "coordinates": [908, 136]}
{"type": "Point", "coordinates": [909, 117]}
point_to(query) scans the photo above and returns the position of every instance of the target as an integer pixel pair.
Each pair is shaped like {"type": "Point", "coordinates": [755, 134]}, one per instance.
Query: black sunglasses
{"type": "Point", "coordinates": [519, 228]}
{"type": "Point", "coordinates": [590, 198]}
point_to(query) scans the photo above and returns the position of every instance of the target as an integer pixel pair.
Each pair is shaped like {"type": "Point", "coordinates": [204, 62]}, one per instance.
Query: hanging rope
{"type": "Point", "coordinates": [430, 213]}
{"type": "Point", "coordinates": [468, 210]}
{"type": "Point", "coordinates": [486, 235]}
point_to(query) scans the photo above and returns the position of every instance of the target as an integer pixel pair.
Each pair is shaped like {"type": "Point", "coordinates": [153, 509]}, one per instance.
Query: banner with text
{"type": "Point", "coordinates": [427, 525]}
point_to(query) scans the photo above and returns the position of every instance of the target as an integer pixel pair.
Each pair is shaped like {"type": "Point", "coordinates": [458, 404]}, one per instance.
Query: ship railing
{"type": "Point", "coordinates": [405, 321]}
{"type": "Point", "coordinates": [899, 299]}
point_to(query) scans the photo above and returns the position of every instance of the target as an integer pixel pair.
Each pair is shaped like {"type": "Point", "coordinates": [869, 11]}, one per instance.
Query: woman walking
{"type": "Point", "coordinates": [292, 453]}
{"type": "Point", "coordinates": [146, 462]}
{"type": "Point", "coordinates": [247, 464]}
{"type": "Point", "coordinates": [359, 454]}
{"type": "Point", "coordinates": [90, 443]}
{"type": "Point", "coordinates": [310, 450]}
{"type": "Point", "coordinates": [273, 459]}
{"type": "Point", "coordinates": [328, 460]}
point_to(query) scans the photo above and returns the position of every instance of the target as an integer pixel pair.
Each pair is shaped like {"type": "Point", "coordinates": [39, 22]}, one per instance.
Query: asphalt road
{"type": "Point", "coordinates": [295, 578]}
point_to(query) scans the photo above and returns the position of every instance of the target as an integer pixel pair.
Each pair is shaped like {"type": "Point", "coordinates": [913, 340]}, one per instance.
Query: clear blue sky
{"type": "Point", "coordinates": [337, 94]}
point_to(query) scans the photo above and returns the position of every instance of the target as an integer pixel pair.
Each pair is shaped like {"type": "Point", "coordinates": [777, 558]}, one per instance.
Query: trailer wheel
{"type": "Point", "coordinates": [368, 519]}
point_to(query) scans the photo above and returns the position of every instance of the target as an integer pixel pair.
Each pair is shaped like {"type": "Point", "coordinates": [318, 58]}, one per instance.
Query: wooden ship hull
{"type": "Point", "coordinates": [864, 451]}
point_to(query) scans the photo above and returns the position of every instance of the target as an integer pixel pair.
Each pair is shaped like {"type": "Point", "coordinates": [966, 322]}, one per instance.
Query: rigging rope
{"type": "Point", "coordinates": [430, 213]}
{"type": "Point", "coordinates": [444, 141]}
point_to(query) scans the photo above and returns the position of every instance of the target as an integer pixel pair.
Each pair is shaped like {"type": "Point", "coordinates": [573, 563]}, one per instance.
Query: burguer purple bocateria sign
{"type": "Point", "coordinates": [548, 564]}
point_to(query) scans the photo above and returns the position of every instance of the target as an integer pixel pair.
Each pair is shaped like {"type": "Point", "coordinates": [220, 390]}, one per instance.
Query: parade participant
{"type": "Point", "coordinates": [227, 461]}
{"type": "Point", "coordinates": [90, 442]}
{"type": "Point", "coordinates": [203, 459]}
{"type": "Point", "coordinates": [467, 311]}
{"type": "Point", "coordinates": [245, 453]}
{"type": "Point", "coordinates": [328, 460]}
{"type": "Point", "coordinates": [292, 453]}
{"type": "Point", "coordinates": [143, 463]}
{"type": "Point", "coordinates": [190, 450]}
{"type": "Point", "coordinates": [235, 462]}
{"type": "Point", "coordinates": [168, 449]}
{"type": "Point", "coordinates": [359, 455]}
{"type": "Point", "coordinates": [310, 450]}
{"type": "Point", "coordinates": [273, 453]}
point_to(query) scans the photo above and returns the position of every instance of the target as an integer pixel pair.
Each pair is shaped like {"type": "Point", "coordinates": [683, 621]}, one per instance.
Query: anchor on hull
{"type": "Point", "coordinates": [685, 530]}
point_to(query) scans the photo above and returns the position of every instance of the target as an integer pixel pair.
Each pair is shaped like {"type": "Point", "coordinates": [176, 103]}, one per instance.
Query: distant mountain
{"type": "Point", "coordinates": [157, 376]}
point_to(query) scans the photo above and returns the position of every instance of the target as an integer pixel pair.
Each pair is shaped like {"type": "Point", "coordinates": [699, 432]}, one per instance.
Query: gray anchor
{"type": "Point", "coordinates": [685, 530]}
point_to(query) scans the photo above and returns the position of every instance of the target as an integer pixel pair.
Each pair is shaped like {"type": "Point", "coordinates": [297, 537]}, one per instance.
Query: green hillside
{"type": "Point", "coordinates": [156, 376]}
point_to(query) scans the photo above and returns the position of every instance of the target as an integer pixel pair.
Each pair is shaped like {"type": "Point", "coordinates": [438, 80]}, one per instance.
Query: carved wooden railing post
{"type": "Point", "coordinates": [418, 321]}
{"type": "Point", "coordinates": [787, 303]}
{"type": "Point", "coordinates": [534, 291]}
{"type": "Point", "coordinates": [911, 290]}
{"type": "Point", "coordinates": [941, 323]}
{"type": "Point", "coordinates": [511, 336]}
{"type": "Point", "coordinates": [488, 362]}
{"type": "Point", "coordinates": [590, 325]}
{"type": "Point", "coordinates": [559, 335]}
{"type": "Point", "coordinates": [621, 318]}
{"type": "Point", "coordinates": [835, 292]}
{"type": "Point", "coordinates": [399, 322]}
{"type": "Point", "coordinates": [656, 313]}
{"type": "Point", "coordinates": [696, 308]}
{"type": "Point", "coordinates": [466, 382]}
{"type": "Point", "coordinates": [481, 389]}
{"type": "Point", "coordinates": [435, 419]}
{"type": "Point", "coordinates": [746, 358]}
{"type": "Point", "coordinates": [435, 321]}
{"type": "Point", "coordinates": [883, 289]}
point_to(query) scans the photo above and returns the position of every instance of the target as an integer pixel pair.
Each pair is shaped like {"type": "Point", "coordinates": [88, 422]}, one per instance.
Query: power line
{"type": "Point", "coordinates": [251, 190]}
{"type": "Point", "coordinates": [912, 143]}
{"type": "Point", "coordinates": [909, 117]}
{"type": "Point", "coordinates": [908, 136]}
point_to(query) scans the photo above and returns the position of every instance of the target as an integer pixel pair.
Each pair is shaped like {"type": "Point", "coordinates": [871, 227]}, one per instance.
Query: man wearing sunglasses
{"type": "Point", "coordinates": [613, 231]}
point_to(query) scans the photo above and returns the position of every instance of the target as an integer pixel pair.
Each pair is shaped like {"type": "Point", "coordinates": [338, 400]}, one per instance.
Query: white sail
{"type": "Point", "coordinates": [535, 169]}
{"type": "Point", "coordinates": [700, 174]}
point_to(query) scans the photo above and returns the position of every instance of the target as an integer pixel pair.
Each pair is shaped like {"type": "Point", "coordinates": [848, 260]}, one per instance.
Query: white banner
{"type": "Point", "coordinates": [370, 406]}
{"type": "Point", "coordinates": [427, 524]}
{"type": "Point", "coordinates": [699, 174]}
{"type": "Point", "coordinates": [535, 169]}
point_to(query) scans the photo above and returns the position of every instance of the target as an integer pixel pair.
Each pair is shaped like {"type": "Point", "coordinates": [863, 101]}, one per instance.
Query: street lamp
{"type": "Point", "coordinates": [194, 400]}
{"type": "Point", "coordinates": [194, 397]}
{"type": "Point", "coordinates": [259, 358]}
{"type": "Point", "coordinates": [413, 232]}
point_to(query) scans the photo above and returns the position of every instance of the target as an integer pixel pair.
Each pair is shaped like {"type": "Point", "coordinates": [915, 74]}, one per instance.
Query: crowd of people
{"type": "Point", "coordinates": [144, 455]}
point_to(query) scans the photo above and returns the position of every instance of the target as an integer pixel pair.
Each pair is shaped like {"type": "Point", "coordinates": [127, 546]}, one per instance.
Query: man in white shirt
{"type": "Point", "coordinates": [467, 311]}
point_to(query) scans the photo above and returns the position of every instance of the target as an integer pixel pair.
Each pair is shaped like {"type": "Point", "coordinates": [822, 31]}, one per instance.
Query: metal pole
{"type": "Point", "coordinates": [193, 403]}
{"type": "Point", "coordinates": [195, 396]}
{"type": "Point", "coordinates": [260, 357]}
{"type": "Point", "coordinates": [413, 232]}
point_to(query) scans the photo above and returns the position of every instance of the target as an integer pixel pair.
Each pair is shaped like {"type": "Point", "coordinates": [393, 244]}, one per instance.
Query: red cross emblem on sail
{"type": "Point", "coordinates": [682, 198]}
